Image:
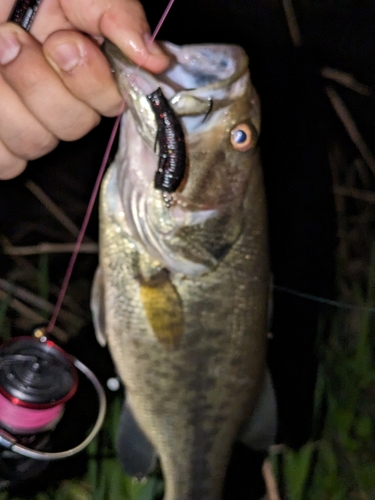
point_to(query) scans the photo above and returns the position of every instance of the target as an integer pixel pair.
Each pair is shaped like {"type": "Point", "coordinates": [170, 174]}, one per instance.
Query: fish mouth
{"type": "Point", "coordinates": [198, 77]}
{"type": "Point", "coordinates": [204, 67]}
{"type": "Point", "coordinates": [200, 80]}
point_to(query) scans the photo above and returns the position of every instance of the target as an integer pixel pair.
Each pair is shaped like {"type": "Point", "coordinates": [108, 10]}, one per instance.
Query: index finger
{"type": "Point", "coordinates": [124, 23]}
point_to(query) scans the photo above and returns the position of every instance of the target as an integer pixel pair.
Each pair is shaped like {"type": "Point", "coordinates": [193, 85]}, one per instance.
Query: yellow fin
{"type": "Point", "coordinates": [163, 308]}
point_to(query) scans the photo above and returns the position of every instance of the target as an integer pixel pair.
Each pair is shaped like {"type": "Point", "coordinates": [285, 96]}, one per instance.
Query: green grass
{"type": "Point", "coordinates": [340, 465]}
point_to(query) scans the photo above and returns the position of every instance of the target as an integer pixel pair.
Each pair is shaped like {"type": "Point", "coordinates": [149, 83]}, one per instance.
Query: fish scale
{"type": "Point", "coordinates": [188, 342]}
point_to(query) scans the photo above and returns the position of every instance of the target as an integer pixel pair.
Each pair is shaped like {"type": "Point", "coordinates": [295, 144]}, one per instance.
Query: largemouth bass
{"type": "Point", "coordinates": [182, 288]}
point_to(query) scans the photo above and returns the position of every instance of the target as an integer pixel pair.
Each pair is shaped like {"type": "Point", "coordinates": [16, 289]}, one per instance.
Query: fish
{"type": "Point", "coordinates": [182, 288]}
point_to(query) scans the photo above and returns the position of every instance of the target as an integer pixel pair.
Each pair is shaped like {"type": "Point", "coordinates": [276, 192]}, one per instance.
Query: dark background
{"type": "Point", "coordinates": [298, 129]}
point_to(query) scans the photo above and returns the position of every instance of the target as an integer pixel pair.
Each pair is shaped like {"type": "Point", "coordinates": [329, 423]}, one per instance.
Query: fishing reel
{"type": "Point", "coordinates": [37, 379]}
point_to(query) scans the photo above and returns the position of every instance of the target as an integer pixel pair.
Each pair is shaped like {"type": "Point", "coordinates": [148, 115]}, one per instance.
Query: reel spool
{"type": "Point", "coordinates": [37, 378]}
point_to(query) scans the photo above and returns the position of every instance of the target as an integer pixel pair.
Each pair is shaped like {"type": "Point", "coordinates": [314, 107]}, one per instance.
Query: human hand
{"type": "Point", "coordinates": [55, 82]}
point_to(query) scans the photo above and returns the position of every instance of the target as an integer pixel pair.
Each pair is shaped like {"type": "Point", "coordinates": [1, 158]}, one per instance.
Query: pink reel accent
{"type": "Point", "coordinates": [21, 420]}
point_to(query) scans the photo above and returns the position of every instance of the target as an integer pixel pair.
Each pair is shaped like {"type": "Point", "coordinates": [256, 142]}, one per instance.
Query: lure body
{"type": "Point", "coordinates": [171, 144]}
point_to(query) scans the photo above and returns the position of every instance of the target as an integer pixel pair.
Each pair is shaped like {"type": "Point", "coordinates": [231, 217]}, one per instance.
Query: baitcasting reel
{"type": "Point", "coordinates": [37, 378]}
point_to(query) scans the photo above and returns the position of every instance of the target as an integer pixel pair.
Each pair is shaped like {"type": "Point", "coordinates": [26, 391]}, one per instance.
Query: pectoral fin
{"type": "Point", "coordinates": [136, 454]}
{"type": "Point", "coordinates": [163, 308]}
{"type": "Point", "coordinates": [97, 307]}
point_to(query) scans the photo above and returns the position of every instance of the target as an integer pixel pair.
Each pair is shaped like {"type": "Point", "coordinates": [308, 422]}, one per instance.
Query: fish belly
{"type": "Point", "coordinates": [190, 400]}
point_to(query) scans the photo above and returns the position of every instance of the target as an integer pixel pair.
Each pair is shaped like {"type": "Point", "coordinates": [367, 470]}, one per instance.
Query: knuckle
{"type": "Point", "coordinates": [30, 82]}
{"type": "Point", "coordinates": [80, 126]}
{"type": "Point", "coordinates": [31, 145]}
{"type": "Point", "coordinates": [10, 165]}
{"type": "Point", "coordinates": [114, 109]}
{"type": "Point", "coordinates": [41, 147]}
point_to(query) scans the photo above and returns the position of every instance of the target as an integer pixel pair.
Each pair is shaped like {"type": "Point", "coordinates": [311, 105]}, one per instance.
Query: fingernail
{"type": "Point", "coordinates": [67, 56]}
{"type": "Point", "coordinates": [152, 46]}
{"type": "Point", "coordinates": [9, 47]}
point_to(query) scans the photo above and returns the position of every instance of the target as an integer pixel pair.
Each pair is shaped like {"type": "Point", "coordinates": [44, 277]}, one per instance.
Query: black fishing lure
{"type": "Point", "coordinates": [171, 142]}
{"type": "Point", "coordinates": [24, 12]}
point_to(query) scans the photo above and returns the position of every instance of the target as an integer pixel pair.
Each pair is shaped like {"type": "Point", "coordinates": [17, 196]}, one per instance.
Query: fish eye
{"type": "Point", "coordinates": [241, 137]}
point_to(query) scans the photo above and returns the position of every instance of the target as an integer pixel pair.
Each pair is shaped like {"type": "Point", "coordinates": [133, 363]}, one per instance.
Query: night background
{"type": "Point", "coordinates": [312, 63]}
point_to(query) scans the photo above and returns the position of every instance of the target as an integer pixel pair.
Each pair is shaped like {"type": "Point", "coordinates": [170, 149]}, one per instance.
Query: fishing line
{"type": "Point", "coordinates": [82, 231]}
{"type": "Point", "coordinates": [322, 300]}
{"type": "Point", "coordinates": [95, 191]}
{"type": "Point", "coordinates": [161, 22]}
{"type": "Point", "coordinates": [316, 298]}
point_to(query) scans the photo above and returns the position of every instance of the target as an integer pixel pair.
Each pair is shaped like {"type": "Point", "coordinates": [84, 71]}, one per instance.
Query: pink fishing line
{"type": "Point", "coordinates": [83, 229]}
{"type": "Point", "coordinates": [162, 19]}
{"type": "Point", "coordinates": [93, 197]}
{"type": "Point", "coordinates": [22, 420]}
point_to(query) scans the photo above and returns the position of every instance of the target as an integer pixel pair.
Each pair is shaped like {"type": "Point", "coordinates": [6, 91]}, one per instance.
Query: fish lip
{"type": "Point", "coordinates": [138, 81]}
{"type": "Point", "coordinates": [181, 84]}
{"type": "Point", "coordinates": [224, 89]}
{"type": "Point", "coordinates": [178, 54]}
